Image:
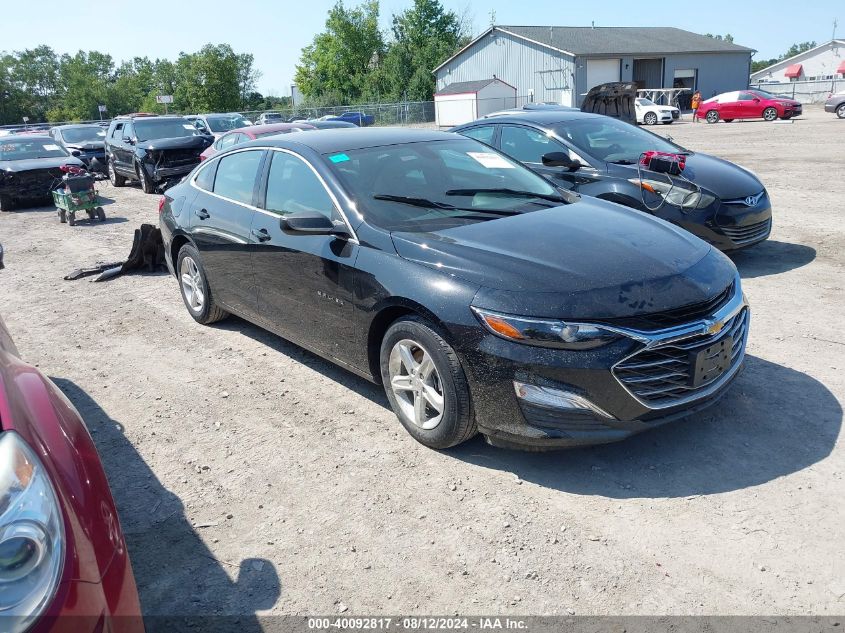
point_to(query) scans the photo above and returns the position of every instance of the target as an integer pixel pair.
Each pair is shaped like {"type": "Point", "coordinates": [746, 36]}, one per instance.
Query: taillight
{"type": "Point", "coordinates": [161, 203]}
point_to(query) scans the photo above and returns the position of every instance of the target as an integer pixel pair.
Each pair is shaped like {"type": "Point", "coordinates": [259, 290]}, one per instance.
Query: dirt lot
{"type": "Point", "coordinates": [252, 476]}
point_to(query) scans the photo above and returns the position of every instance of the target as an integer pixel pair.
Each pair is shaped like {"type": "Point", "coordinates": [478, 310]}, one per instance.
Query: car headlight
{"type": "Point", "coordinates": [675, 194]}
{"type": "Point", "coordinates": [545, 332]}
{"type": "Point", "coordinates": [32, 541]}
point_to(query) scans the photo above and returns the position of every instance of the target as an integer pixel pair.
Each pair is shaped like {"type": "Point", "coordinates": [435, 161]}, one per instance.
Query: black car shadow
{"type": "Point", "coordinates": [774, 421]}
{"type": "Point", "coordinates": [771, 258]}
{"type": "Point", "coordinates": [180, 582]}
{"type": "Point", "coordinates": [364, 388]}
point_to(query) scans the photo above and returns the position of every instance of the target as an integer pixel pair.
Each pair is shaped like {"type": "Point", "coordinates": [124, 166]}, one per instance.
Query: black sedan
{"type": "Point", "coordinates": [596, 155]}
{"type": "Point", "coordinates": [30, 168]}
{"type": "Point", "coordinates": [86, 142]}
{"type": "Point", "coordinates": [478, 294]}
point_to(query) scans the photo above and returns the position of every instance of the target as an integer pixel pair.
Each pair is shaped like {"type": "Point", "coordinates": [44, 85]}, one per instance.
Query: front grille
{"type": "Point", "coordinates": [675, 316]}
{"type": "Point", "coordinates": [676, 114]}
{"type": "Point", "coordinates": [180, 158]}
{"type": "Point", "coordinates": [741, 235]}
{"type": "Point", "coordinates": [663, 376]}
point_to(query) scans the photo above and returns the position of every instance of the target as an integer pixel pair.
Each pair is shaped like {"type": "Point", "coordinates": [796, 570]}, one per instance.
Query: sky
{"type": "Point", "coordinates": [276, 32]}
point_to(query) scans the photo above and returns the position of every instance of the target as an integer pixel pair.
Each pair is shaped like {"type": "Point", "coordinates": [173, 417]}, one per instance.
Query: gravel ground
{"type": "Point", "coordinates": [253, 477]}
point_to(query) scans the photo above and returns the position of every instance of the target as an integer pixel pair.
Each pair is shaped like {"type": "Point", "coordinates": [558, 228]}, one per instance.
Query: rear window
{"type": "Point", "coordinates": [236, 175]}
{"type": "Point", "coordinates": [30, 148]}
{"type": "Point", "coordinates": [83, 134]}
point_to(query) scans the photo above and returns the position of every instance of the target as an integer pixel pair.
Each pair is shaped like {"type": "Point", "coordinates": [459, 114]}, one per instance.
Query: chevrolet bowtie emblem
{"type": "Point", "coordinates": [714, 327]}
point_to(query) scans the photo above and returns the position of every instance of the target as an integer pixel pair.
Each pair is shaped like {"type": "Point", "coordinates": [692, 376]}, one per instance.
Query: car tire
{"type": "Point", "coordinates": [146, 184]}
{"type": "Point", "coordinates": [712, 117]}
{"type": "Point", "coordinates": [770, 114]}
{"type": "Point", "coordinates": [195, 291]}
{"type": "Point", "coordinates": [437, 371]}
{"type": "Point", "coordinates": [6, 203]}
{"type": "Point", "coordinates": [114, 178]}
{"type": "Point", "coordinates": [650, 118]}
{"type": "Point", "coordinates": [840, 111]}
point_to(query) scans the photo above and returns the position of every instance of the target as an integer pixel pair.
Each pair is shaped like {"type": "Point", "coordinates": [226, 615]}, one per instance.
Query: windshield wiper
{"type": "Point", "coordinates": [553, 197]}
{"type": "Point", "coordinates": [417, 202]}
{"type": "Point", "coordinates": [622, 161]}
{"type": "Point", "coordinates": [487, 214]}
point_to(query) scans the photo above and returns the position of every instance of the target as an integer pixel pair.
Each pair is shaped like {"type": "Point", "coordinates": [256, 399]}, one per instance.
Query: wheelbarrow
{"type": "Point", "coordinates": [77, 193]}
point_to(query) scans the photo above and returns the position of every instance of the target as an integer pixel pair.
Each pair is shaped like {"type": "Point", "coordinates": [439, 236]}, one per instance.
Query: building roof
{"type": "Point", "coordinates": [463, 87]}
{"type": "Point", "coordinates": [614, 40]}
{"type": "Point", "coordinates": [789, 61]}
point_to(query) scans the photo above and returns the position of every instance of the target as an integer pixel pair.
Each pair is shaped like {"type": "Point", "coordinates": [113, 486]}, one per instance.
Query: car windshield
{"type": "Point", "coordinates": [89, 134]}
{"type": "Point", "coordinates": [612, 140]}
{"type": "Point", "coordinates": [272, 115]}
{"type": "Point", "coordinates": [30, 148]}
{"type": "Point", "coordinates": [225, 122]}
{"type": "Point", "coordinates": [164, 128]}
{"type": "Point", "coordinates": [645, 102]}
{"type": "Point", "coordinates": [766, 95]}
{"type": "Point", "coordinates": [428, 186]}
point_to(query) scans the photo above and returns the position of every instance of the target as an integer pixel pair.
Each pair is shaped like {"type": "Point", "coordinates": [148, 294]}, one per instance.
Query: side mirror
{"type": "Point", "coordinates": [76, 152]}
{"type": "Point", "coordinates": [311, 223]}
{"type": "Point", "coordinates": [129, 139]}
{"type": "Point", "coordinates": [560, 159]}
{"type": "Point", "coordinates": [756, 100]}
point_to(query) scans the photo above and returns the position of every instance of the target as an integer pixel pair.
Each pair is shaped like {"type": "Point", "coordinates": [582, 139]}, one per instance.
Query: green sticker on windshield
{"type": "Point", "coordinates": [339, 158]}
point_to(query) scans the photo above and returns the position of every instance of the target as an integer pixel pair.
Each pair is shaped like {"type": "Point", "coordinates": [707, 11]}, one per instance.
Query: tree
{"type": "Point", "coordinates": [208, 81]}
{"type": "Point", "coordinates": [339, 62]}
{"type": "Point", "coordinates": [797, 49]}
{"type": "Point", "coordinates": [423, 37]}
{"type": "Point", "coordinates": [727, 38]}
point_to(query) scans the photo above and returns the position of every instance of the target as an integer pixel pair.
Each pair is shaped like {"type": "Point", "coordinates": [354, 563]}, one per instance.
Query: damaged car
{"type": "Point", "coordinates": [30, 166]}
{"type": "Point", "coordinates": [153, 149]}
{"type": "Point", "coordinates": [86, 142]}
{"type": "Point", "coordinates": [483, 298]}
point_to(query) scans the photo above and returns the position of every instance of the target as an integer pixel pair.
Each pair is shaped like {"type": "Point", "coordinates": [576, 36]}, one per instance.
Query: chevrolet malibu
{"type": "Point", "coordinates": [480, 296]}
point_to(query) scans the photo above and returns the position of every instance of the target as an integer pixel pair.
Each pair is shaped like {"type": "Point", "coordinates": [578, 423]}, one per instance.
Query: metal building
{"type": "Point", "coordinates": [559, 64]}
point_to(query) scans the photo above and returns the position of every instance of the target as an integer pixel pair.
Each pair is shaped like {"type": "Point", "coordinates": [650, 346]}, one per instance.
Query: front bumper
{"type": "Point", "coordinates": [494, 364]}
{"type": "Point", "coordinates": [159, 173]}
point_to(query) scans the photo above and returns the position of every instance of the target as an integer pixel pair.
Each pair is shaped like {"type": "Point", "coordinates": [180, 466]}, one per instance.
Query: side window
{"type": "Point", "coordinates": [128, 130]}
{"type": "Point", "coordinates": [236, 176]}
{"type": "Point", "coordinates": [117, 132]}
{"type": "Point", "coordinates": [292, 187]}
{"type": "Point", "coordinates": [483, 133]}
{"type": "Point", "coordinates": [205, 177]}
{"type": "Point", "coordinates": [526, 145]}
{"type": "Point", "coordinates": [745, 96]}
{"type": "Point", "coordinates": [227, 141]}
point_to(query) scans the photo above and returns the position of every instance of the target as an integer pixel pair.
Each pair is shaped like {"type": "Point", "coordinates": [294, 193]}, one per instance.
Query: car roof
{"type": "Point", "coordinates": [69, 126]}
{"type": "Point", "coordinates": [273, 127]}
{"type": "Point", "coordinates": [342, 139]}
{"type": "Point", "coordinates": [539, 117]}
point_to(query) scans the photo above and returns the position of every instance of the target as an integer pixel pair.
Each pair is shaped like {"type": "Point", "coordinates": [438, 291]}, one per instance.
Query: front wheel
{"type": "Point", "coordinates": [840, 111]}
{"type": "Point", "coordinates": [196, 292]}
{"type": "Point", "coordinates": [425, 384]}
{"type": "Point", "coordinates": [770, 114]}
{"type": "Point", "coordinates": [114, 178]}
{"type": "Point", "coordinates": [146, 184]}
{"type": "Point", "coordinates": [712, 117]}
{"type": "Point", "coordinates": [650, 118]}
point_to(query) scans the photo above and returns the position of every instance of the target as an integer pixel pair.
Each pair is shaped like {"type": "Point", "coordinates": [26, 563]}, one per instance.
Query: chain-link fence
{"type": "Point", "coordinates": [804, 91]}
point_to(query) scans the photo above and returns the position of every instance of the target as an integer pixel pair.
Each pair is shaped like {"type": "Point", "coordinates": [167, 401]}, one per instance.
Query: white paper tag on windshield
{"type": "Point", "coordinates": [52, 148]}
{"type": "Point", "coordinates": [188, 126]}
{"type": "Point", "coordinates": [490, 160]}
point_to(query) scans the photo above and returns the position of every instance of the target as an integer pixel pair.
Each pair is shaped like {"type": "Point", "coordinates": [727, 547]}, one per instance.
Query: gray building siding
{"type": "Point", "coordinates": [523, 65]}
{"type": "Point", "coordinates": [529, 66]}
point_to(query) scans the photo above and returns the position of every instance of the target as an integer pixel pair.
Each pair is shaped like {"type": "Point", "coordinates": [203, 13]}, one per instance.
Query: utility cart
{"type": "Point", "coordinates": [75, 193]}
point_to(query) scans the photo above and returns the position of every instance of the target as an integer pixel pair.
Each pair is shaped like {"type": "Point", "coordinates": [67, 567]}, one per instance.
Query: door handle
{"type": "Point", "coordinates": [262, 235]}
{"type": "Point", "coordinates": [202, 214]}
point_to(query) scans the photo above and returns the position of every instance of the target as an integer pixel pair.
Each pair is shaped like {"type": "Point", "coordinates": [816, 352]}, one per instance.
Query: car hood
{"type": "Point", "coordinates": [90, 146]}
{"type": "Point", "coordinates": [180, 142]}
{"type": "Point", "coordinates": [722, 178]}
{"type": "Point", "coordinates": [39, 163]}
{"type": "Point", "coordinates": [591, 259]}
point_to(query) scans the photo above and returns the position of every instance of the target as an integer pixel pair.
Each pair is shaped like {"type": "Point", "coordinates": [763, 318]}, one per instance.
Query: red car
{"type": "Point", "coordinates": [63, 561]}
{"type": "Point", "coordinates": [244, 134]}
{"type": "Point", "coordinates": [748, 104]}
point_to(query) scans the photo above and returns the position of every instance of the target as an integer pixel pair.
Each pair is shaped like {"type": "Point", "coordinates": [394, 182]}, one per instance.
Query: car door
{"type": "Point", "coordinates": [528, 146]}
{"type": "Point", "coordinates": [304, 281]}
{"type": "Point", "coordinates": [746, 107]}
{"type": "Point", "coordinates": [222, 215]}
{"type": "Point", "coordinates": [117, 147]}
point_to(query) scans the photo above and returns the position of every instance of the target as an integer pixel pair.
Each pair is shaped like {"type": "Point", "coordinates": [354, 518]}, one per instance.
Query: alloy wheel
{"type": "Point", "coordinates": [651, 118]}
{"type": "Point", "coordinates": [840, 111]}
{"type": "Point", "coordinates": [770, 114]}
{"type": "Point", "coordinates": [192, 286]}
{"type": "Point", "coordinates": [416, 384]}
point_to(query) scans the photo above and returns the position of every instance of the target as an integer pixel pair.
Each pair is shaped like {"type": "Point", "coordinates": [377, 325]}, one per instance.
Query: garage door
{"type": "Point", "coordinates": [601, 71]}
